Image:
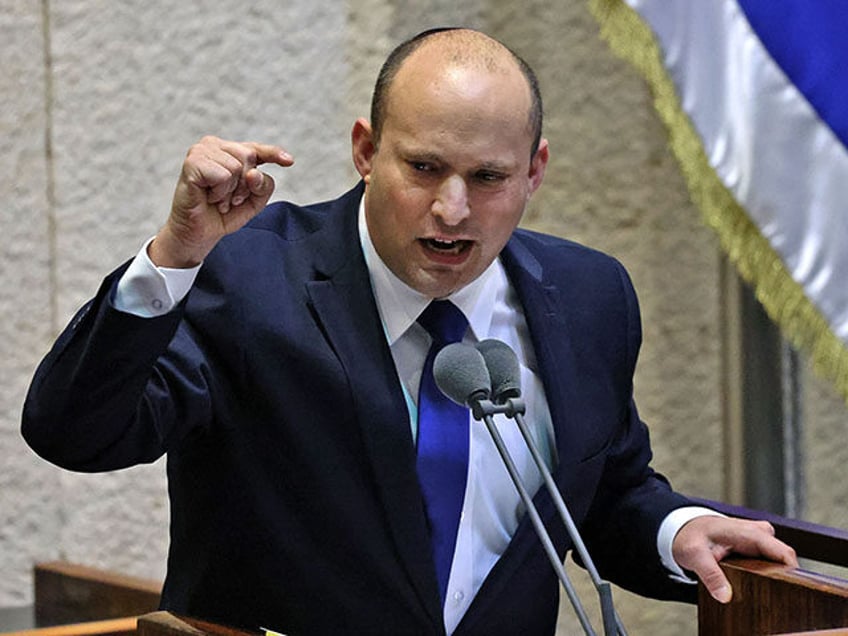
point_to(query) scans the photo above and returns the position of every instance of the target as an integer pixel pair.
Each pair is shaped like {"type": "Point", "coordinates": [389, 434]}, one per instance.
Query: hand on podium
{"type": "Point", "coordinates": [704, 541]}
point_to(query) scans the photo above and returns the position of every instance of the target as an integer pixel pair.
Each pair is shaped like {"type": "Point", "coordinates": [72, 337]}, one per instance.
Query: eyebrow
{"type": "Point", "coordinates": [422, 155]}
{"type": "Point", "coordinates": [410, 154]}
{"type": "Point", "coordinates": [495, 166]}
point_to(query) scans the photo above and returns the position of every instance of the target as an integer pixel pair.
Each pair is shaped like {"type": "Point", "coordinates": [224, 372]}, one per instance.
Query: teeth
{"type": "Point", "coordinates": [445, 246]}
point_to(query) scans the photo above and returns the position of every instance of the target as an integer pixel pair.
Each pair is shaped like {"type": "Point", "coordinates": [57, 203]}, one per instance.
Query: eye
{"type": "Point", "coordinates": [421, 166]}
{"type": "Point", "coordinates": [487, 176]}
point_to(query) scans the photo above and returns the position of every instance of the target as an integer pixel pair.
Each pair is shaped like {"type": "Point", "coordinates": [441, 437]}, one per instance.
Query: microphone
{"type": "Point", "coordinates": [460, 373]}
{"type": "Point", "coordinates": [470, 376]}
{"type": "Point", "coordinates": [504, 369]}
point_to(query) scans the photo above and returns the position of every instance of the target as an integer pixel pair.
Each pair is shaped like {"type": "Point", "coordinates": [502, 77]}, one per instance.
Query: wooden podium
{"type": "Point", "coordinates": [769, 598]}
{"type": "Point", "coordinates": [167, 624]}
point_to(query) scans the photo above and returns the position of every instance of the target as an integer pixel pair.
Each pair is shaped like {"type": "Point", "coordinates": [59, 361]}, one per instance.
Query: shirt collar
{"type": "Point", "coordinates": [400, 305]}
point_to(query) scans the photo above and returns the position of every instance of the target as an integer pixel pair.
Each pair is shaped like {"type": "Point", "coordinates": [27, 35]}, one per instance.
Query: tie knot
{"type": "Point", "coordinates": [443, 321]}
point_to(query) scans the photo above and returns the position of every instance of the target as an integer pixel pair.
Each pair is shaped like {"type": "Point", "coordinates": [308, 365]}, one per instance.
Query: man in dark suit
{"type": "Point", "coordinates": [276, 360]}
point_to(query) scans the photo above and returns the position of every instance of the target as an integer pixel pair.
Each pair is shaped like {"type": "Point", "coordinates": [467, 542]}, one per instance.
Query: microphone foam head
{"type": "Point", "coordinates": [460, 373]}
{"type": "Point", "coordinates": [504, 369]}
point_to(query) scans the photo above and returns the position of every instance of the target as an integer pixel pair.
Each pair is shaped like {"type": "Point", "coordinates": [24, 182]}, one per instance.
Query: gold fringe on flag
{"type": "Point", "coordinates": [783, 298]}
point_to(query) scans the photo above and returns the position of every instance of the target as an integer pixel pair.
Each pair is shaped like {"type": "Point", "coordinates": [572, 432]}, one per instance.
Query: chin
{"type": "Point", "coordinates": [438, 283]}
{"type": "Point", "coordinates": [428, 287]}
{"type": "Point", "coordinates": [441, 290]}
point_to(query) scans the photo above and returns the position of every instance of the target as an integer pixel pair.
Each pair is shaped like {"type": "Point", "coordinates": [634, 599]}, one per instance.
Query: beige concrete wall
{"type": "Point", "coordinates": [29, 515]}
{"type": "Point", "coordinates": [101, 99]}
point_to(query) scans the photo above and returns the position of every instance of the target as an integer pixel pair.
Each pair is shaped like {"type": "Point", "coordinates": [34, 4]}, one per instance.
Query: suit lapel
{"type": "Point", "coordinates": [549, 333]}
{"type": "Point", "coordinates": [344, 305]}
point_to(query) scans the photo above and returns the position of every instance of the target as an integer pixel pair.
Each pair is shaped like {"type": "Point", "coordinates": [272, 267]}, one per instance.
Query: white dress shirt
{"type": "Point", "coordinates": [492, 507]}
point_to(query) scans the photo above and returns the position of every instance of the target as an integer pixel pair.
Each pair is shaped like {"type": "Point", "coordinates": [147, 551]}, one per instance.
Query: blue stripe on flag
{"type": "Point", "coordinates": [809, 40]}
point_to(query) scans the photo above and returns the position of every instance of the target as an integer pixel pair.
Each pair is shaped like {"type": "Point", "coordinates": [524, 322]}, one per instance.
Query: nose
{"type": "Point", "coordinates": [451, 203]}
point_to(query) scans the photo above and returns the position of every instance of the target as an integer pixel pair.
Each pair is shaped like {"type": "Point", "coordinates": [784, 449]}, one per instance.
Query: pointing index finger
{"type": "Point", "coordinates": [267, 153]}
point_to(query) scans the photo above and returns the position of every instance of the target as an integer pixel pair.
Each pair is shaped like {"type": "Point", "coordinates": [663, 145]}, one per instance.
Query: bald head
{"type": "Point", "coordinates": [456, 48]}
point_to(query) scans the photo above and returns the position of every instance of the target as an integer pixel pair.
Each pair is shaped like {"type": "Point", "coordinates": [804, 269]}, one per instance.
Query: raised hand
{"type": "Point", "coordinates": [219, 190]}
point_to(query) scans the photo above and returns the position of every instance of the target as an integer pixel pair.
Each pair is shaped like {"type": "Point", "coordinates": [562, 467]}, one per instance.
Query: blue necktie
{"type": "Point", "coordinates": [442, 441]}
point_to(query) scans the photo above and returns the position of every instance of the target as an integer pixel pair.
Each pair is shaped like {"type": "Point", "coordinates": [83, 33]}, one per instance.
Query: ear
{"type": "Point", "coordinates": [362, 146]}
{"type": "Point", "coordinates": [538, 164]}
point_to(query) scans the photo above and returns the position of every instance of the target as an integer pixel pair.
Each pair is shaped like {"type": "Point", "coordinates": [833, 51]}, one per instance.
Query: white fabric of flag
{"type": "Point", "coordinates": [763, 85]}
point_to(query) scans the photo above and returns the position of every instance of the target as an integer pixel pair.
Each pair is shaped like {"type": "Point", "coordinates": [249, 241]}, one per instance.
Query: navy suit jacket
{"type": "Point", "coordinates": [295, 503]}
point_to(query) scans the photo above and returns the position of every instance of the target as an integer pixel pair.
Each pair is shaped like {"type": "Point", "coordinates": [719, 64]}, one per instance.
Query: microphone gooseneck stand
{"type": "Point", "coordinates": [470, 376]}
{"type": "Point", "coordinates": [514, 409]}
{"type": "Point", "coordinates": [484, 410]}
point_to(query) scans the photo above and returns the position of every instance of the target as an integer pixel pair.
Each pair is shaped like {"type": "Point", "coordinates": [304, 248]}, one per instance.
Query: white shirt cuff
{"type": "Point", "coordinates": [669, 528]}
{"type": "Point", "coordinates": [149, 291]}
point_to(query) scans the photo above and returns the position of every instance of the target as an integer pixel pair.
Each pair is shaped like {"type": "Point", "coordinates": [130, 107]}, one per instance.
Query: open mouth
{"type": "Point", "coordinates": [446, 247]}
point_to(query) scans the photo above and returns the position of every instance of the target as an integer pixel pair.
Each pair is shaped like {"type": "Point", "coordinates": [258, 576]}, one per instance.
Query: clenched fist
{"type": "Point", "coordinates": [219, 190]}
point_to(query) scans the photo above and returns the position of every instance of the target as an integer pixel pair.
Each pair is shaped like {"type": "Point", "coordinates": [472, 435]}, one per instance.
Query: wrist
{"type": "Point", "coordinates": [166, 250]}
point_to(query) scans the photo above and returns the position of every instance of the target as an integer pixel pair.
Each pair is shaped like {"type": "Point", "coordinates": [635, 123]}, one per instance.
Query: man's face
{"type": "Point", "coordinates": [452, 174]}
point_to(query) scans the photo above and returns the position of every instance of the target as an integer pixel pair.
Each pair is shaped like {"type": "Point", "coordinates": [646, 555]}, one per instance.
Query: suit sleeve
{"type": "Point", "coordinates": [632, 500]}
{"type": "Point", "coordinates": [106, 396]}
